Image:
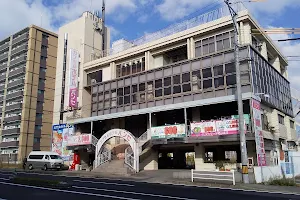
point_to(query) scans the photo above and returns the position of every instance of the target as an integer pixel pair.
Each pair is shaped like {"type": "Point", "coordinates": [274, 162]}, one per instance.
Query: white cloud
{"type": "Point", "coordinates": [176, 9]}
{"type": "Point", "coordinates": [17, 14]}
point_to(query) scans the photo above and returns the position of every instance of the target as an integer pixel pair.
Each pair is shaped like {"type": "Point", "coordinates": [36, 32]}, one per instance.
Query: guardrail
{"type": "Point", "coordinates": [213, 175]}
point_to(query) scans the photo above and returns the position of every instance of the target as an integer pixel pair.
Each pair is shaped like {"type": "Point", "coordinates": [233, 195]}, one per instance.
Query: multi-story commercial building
{"type": "Point", "coordinates": [173, 93]}
{"type": "Point", "coordinates": [27, 77]}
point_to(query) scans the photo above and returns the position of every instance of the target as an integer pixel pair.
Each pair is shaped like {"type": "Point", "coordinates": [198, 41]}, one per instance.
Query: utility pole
{"type": "Point", "coordinates": [244, 156]}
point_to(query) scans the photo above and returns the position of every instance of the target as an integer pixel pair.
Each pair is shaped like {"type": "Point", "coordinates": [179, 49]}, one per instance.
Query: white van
{"type": "Point", "coordinates": [44, 160]}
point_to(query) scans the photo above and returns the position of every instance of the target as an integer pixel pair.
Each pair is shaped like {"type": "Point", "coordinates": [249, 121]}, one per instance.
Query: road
{"type": "Point", "coordinates": [103, 189]}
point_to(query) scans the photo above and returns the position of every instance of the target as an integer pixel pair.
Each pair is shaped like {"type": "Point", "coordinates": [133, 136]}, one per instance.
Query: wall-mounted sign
{"type": "Point", "coordinates": [215, 128]}
{"type": "Point", "coordinates": [77, 140]}
{"type": "Point", "coordinates": [172, 131]}
{"type": "Point", "coordinates": [73, 78]}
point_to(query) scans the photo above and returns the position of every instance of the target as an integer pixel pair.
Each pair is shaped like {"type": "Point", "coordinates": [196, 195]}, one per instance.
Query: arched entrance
{"type": "Point", "coordinates": [131, 157]}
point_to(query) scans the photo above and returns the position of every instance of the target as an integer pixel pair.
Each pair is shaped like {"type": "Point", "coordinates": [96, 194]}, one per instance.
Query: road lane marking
{"type": "Point", "coordinates": [105, 183]}
{"type": "Point", "coordinates": [5, 179]}
{"type": "Point", "coordinates": [135, 193]}
{"type": "Point", "coordinates": [69, 191]}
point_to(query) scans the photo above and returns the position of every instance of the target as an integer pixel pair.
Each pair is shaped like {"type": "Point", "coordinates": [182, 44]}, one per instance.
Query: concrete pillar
{"type": "Point", "coordinates": [245, 33]}
{"type": "Point", "coordinates": [276, 64]}
{"type": "Point", "coordinates": [192, 47]}
{"type": "Point", "coordinates": [199, 156]}
{"type": "Point", "coordinates": [188, 48]}
{"type": "Point", "coordinates": [196, 114]}
{"type": "Point", "coordinates": [113, 70]}
{"type": "Point", "coordinates": [264, 51]}
{"type": "Point", "coordinates": [148, 60]}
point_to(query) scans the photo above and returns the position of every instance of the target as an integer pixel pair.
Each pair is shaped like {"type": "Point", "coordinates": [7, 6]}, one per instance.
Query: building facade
{"type": "Point", "coordinates": [27, 68]}
{"type": "Point", "coordinates": [156, 89]}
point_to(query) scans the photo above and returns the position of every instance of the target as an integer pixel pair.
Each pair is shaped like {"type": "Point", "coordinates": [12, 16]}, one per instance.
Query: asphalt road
{"type": "Point", "coordinates": [89, 188]}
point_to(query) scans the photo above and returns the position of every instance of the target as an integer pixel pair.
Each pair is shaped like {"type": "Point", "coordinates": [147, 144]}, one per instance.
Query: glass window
{"type": "Point", "coordinates": [292, 124]}
{"type": "Point", "coordinates": [127, 99]}
{"type": "Point", "coordinates": [176, 79]}
{"type": "Point", "coordinates": [167, 91]}
{"type": "Point", "coordinates": [186, 77]}
{"type": "Point", "coordinates": [219, 82]}
{"type": "Point", "coordinates": [38, 127]}
{"type": "Point", "coordinates": [142, 87]}
{"type": "Point", "coordinates": [218, 70]}
{"type": "Point", "coordinates": [41, 91]}
{"type": "Point", "coordinates": [158, 93]}
{"type": "Point", "coordinates": [36, 140]}
{"type": "Point", "coordinates": [127, 90]}
{"type": "Point", "coordinates": [229, 68]}
{"type": "Point", "coordinates": [158, 83]}
{"type": "Point", "coordinates": [281, 119]}
{"type": "Point", "coordinates": [167, 81]}
{"type": "Point", "coordinates": [231, 80]}
{"type": "Point", "coordinates": [207, 84]}
{"type": "Point", "coordinates": [39, 115]}
{"type": "Point", "coordinates": [176, 89]}
{"type": "Point", "coordinates": [134, 88]}
{"type": "Point", "coordinates": [186, 87]}
{"type": "Point", "coordinates": [207, 73]}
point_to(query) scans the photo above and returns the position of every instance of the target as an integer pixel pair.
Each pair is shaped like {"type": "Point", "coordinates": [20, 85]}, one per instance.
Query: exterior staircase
{"type": "Point", "coordinates": [114, 167]}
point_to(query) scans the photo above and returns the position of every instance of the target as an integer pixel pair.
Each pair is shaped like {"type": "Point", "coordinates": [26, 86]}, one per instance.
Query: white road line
{"type": "Point", "coordinates": [68, 191]}
{"type": "Point", "coordinates": [105, 183]}
{"type": "Point", "coordinates": [5, 179]}
{"type": "Point", "coordinates": [135, 193]}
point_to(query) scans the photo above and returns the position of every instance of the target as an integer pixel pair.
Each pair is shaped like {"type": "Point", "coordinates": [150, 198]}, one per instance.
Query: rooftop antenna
{"type": "Point", "coordinates": [103, 25]}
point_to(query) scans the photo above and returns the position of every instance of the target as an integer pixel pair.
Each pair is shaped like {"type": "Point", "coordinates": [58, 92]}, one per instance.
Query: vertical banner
{"type": "Point", "coordinates": [73, 78]}
{"type": "Point", "coordinates": [259, 139]}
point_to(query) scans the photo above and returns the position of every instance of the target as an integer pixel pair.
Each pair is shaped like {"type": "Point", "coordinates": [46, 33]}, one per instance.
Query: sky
{"type": "Point", "coordinates": [131, 19]}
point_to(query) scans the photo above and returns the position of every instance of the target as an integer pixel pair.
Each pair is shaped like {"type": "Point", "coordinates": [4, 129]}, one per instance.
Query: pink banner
{"type": "Point", "coordinates": [73, 97]}
{"type": "Point", "coordinates": [77, 140]}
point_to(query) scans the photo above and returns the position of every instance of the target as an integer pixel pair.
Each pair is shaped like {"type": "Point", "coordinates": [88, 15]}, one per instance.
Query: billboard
{"type": "Point", "coordinates": [73, 78]}
{"type": "Point", "coordinates": [171, 131]}
{"type": "Point", "coordinates": [60, 134]}
{"type": "Point", "coordinates": [76, 140]}
{"type": "Point", "coordinates": [215, 128]}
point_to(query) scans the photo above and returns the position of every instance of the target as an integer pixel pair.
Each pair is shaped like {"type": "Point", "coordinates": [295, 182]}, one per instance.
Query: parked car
{"type": "Point", "coordinates": [44, 160]}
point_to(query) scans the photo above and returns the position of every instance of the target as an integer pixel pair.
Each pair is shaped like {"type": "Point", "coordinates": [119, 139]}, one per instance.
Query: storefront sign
{"type": "Point", "coordinates": [60, 134]}
{"type": "Point", "coordinates": [215, 128]}
{"type": "Point", "coordinates": [173, 131]}
{"type": "Point", "coordinates": [73, 78]}
{"type": "Point", "coordinates": [77, 140]}
{"type": "Point", "coordinates": [259, 139]}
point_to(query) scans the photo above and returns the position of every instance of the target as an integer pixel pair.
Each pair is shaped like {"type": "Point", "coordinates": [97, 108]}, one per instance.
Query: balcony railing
{"type": "Point", "coordinates": [9, 144]}
{"type": "Point", "coordinates": [12, 131]}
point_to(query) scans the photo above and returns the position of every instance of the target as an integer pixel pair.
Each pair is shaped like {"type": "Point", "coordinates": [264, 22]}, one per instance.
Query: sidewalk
{"type": "Point", "coordinates": [161, 177]}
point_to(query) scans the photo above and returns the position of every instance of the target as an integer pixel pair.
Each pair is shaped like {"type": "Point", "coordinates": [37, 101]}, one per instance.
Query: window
{"type": "Point", "coordinates": [36, 140]}
{"type": "Point", "coordinates": [218, 70]}
{"type": "Point", "coordinates": [43, 58]}
{"type": "Point", "coordinates": [41, 91]}
{"type": "Point", "coordinates": [38, 127]}
{"type": "Point", "coordinates": [55, 157]}
{"type": "Point", "coordinates": [231, 80]}
{"type": "Point", "coordinates": [219, 82]}
{"type": "Point", "coordinates": [39, 115]}
{"type": "Point", "coordinates": [281, 119]}
{"type": "Point", "coordinates": [36, 157]}
{"type": "Point", "coordinates": [292, 124]}
{"type": "Point", "coordinates": [230, 68]}
{"type": "Point", "coordinates": [207, 84]}
{"type": "Point", "coordinates": [44, 47]}
{"type": "Point", "coordinates": [207, 73]}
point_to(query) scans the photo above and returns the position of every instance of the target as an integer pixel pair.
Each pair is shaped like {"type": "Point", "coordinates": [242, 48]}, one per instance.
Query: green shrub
{"type": "Point", "coordinates": [282, 182]}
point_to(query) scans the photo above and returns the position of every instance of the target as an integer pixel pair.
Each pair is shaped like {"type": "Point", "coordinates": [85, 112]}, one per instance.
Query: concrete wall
{"type": "Point", "coordinates": [149, 159]}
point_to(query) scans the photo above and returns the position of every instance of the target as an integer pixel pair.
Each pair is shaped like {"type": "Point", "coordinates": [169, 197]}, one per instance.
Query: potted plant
{"type": "Point", "coordinates": [220, 165]}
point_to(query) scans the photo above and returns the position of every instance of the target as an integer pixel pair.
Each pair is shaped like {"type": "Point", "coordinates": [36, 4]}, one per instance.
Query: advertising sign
{"type": "Point", "coordinates": [73, 78]}
{"type": "Point", "coordinates": [60, 134]}
{"type": "Point", "coordinates": [215, 128]}
{"type": "Point", "coordinates": [77, 140]}
{"type": "Point", "coordinates": [172, 131]}
{"type": "Point", "coordinates": [259, 139]}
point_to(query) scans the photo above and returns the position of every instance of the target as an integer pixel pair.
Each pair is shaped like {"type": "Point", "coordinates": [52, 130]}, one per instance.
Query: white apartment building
{"type": "Point", "coordinates": [172, 94]}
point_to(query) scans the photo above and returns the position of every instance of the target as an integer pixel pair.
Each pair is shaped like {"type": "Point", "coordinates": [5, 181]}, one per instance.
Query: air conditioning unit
{"type": "Point", "coordinates": [93, 81]}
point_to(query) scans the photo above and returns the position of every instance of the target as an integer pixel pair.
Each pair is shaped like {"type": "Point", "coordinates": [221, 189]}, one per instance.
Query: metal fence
{"type": "Point", "coordinates": [220, 176]}
{"type": "Point", "coordinates": [9, 160]}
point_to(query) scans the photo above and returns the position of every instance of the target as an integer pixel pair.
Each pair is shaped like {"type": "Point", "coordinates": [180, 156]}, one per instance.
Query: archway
{"type": "Point", "coordinates": [127, 136]}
